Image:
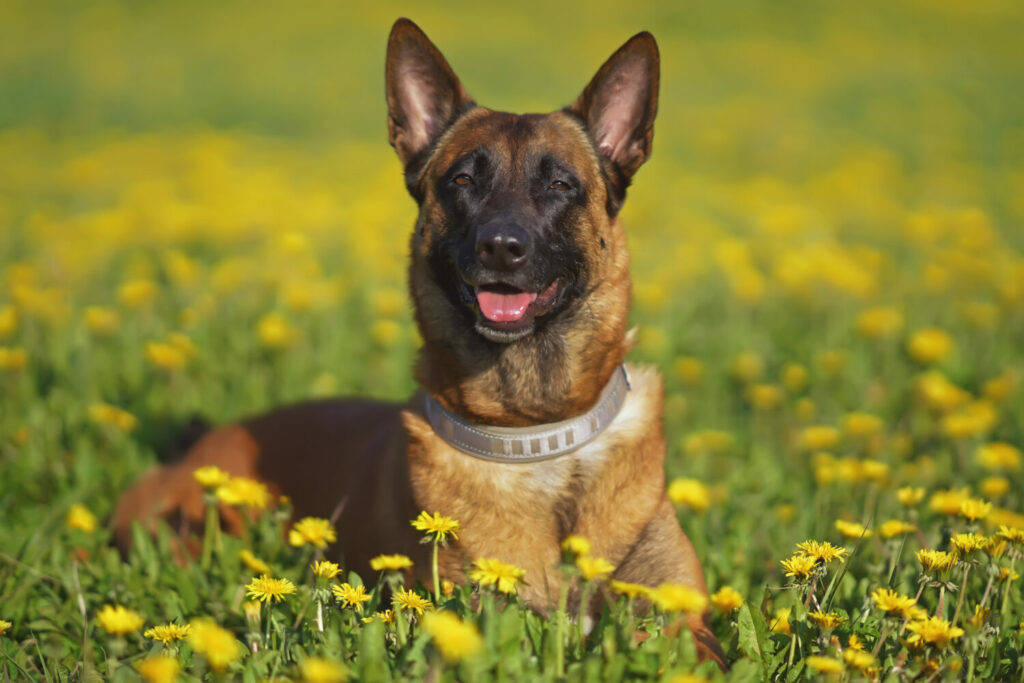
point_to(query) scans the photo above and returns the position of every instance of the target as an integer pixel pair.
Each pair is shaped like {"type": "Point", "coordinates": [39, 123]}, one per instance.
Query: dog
{"type": "Point", "coordinates": [528, 426]}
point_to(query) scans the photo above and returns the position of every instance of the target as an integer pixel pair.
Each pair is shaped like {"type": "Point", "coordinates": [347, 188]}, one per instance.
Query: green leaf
{"type": "Point", "coordinates": [753, 635]}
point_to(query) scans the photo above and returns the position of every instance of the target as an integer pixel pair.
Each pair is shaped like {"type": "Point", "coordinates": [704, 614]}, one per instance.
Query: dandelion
{"type": "Point", "coordinates": [8, 321]}
{"type": "Point", "coordinates": [105, 414]}
{"type": "Point", "coordinates": [244, 491]}
{"type": "Point", "coordinates": [689, 370]}
{"type": "Point", "coordinates": [818, 438]}
{"type": "Point", "coordinates": [965, 544]}
{"type": "Point", "coordinates": [879, 322]}
{"type": "Point", "coordinates": [727, 599]}
{"type": "Point", "coordinates": [827, 620]}
{"type": "Point", "coordinates": [936, 560]}
{"type": "Point", "coordinates": [454, 638]}
{"type": "Point", "coordinates": [351, 596]}
{"type": "Point", "coordinates": [825, 665]}
{"type": "Point", "coordinates": [12, 358]}
{"type": "Point", "coordinates": [325, 569]}
{"type": "Point", "coordinates": [799, 566]}
{"type": "Point", "coordinates": [165, 356]}
{"type": "Point", "coordinates": [764, 396]}
{"type": "Point", "coordinates": [1006, 574]}
{"type": "Point", "coordinates": [795, 377]}
{"type": "Point", "coordinates": [747, 367]}
{"type": "Point", "coordinates": [948, 502]}
{"type": "Point", "coordinates": [409, 600]}
{"type": "Point", "coordinates": [594, 568]}
{"type": "Point", "coordinates": [136, 293]}
{"type": "Point", "coordinates": [630, 590]}
{"type": "Point", "coordinates": [79, 517]}
{"type": "Point", "coordinates": [929, 345]}
{"type": "Point", "coordinates": [314, 531]}
{"type": "Point", "coordinates": [5, 626]}
{"type": "Point", "coordinates": [101, 321]}
{"type": "Point", "coordinates": [268, 589]}
{"type": "Point", "coordinates": [211, 477]}
{"type": "Point", "coordinates": [576, 545]}
{"type": "Point", "coordinates": [823, 551]}
{"type": "Point", "coordinates": [118, 620]}
{"type": "Point", "coordinates": [998, 456]}
{"type": "Point", "coordinates": [675, 597]}
{"type": "Point", "coordinates": [167, 633]}
{"type": "Point", "coordinates": [218, 645]}
{"type": "Point", "coordinates": [910, 496]}
{"type": "Point", "coordinates": [255, 564]}
{"type": "Point", "coordinates": [995, 487]}
{"type": "Point", "coordinates": [491, 572]}
{"type": "Point", "coordinates": [438, 525]}
{"type": "Point", "coordinates": [852, 529]}
{"type": "Point", "coordinates": [320, 670]}
{"type": "Point", "coordinates": [274, 332]}
{"type": "Point", "coordinates": [1013, 535]}
{"type": "Point", "coordinates": [393, 563]}
{"type": "Point", "coordinates": [975, 509]}
{"type": "Point", "coordinates": [689, 492]}
{"type": "Point", "coordinates": [894, 528]}
{"type": "Point", "coordinates": [858, 659]}
{"type": "Point", "coordinates": [892, 603]}
{"type": "Point", "coordinates": [935, 631]}
{"type": "Point", "coordinates": [159, 669]}
{"type": "Point", "coordinates": [387, 617]}
{"type": "Point", "coordinates": [708, 441]}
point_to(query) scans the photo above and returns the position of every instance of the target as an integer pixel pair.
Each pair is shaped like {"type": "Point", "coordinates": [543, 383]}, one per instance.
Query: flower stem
{"type": "Point", "coordinates": [210, 534]}
{"type": "Point", "coordinates": [963, 589]}
{"type": "Point", "coordinates": [560, 639]}
{"type": "Point", "coordinates": [437, 582]}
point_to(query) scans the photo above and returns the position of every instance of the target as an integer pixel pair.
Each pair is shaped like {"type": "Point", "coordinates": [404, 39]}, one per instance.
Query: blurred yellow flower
{"type": "Point", "coordinates": [255, 564]}
{"type": "Point", "coordinates": [8, 321]}
{"type": "Point", "coordinates": [386, 333]}
{"type": "Point", "coordinates": [102, 321]}
{"type": "Point", "coordinates": [244, 491]}
{"type": "Point", "coordinates": [118, 620]}
{"type": "Point", "coordinates": [938, 393]}
{"type": "Point", "coordinates": [780, 624]}
{"type": "Point", "coordinates": [320, 670]}
{"type": "Point", "coordinates": [136, 293]}
{"type": "Point", "coordinates": [1011, 534]}
{"type": "Point", "coordinates": [437, 525]}
{"type": "Point", "coordinates": [975, 509]}
{"type": "Point", "coordinates": [576, 545]}
{"type": "Point", "coordinates": [79, 517]}
{"type": "Point", "coordinates": [1000, 388]}
{"type": "Point", "coordinates": [314, 531]}
{"type": "Point", "coordinates": [794, 377]}
{"type": "Point", "coordinates": [862, 425]}
{"type": "Point", "coordinates": [168, 632]}
{"type": "Point", "coordinates": [211, 477]}
{"type": "Point", "coordinates": [709, 441]}
{"type": "Point", "coordinates": [326, 569]}
{"type": "Point", "coordinates": [689, 492]}
{"type": "Point", "coordinates": [818, 438]}
{"type": "Point", "coordinates": [274, 332]}
{"type": "Point", "coordinates": [967, 543]}
{"type": "Point", "coordinates": [852, 529]}
{"type": "Point", "coordinates": [977, 418]}
{"type": "Point", "coordinates": [935, 631]}
{"type": "Point", "coordinates": [764, 396]}
{"type": "Point", "coordinates": [858, 659]}
{"type": "Point", "coordinates": [929, 345]}
{"type": "Point", "coordinates": [454, 638]}
{"type": "Point", "coordinates": [688, 370]}
{"type": "Point", "coordinates": [833, 362]}
{"type": "Point", "coordinates": [106, 414]}
{"type": "Point", "coordinates": [879, 322]}
{"type": "Point", "coordinates": [5, 626]}
{"type": "Point", "coordinates": [630, 590]}
{"type": "Point", "coordinates": [894, 528]}
{"type": "Point", "coordinates": [747, 367]}
{"type": "Point", "coordinates": [165, 356]}
{"type": "Point", "coordinates": [824, 665]}
{"type": "Point", "coordinates": [948, 501]}
{"type": "Point", "coordinates": [159, 669]}
{"type": "Point", "coordinates": [827, 620]}
{"type": "Point", "coordinates": [998, 456]}
{"type": "Point", "coordinates": [910, 496]}
{"type": "Point", "coordinates": [995, 487]}
{"type": "Point", "coordinates": [390, 563]}
{"type": "Point", "coordinates": [218, 645]}
{"type": "Point", "coordinates": [12, 358]}
{"type": "Point", "coordinates": [268, 589]}
{"type": "Point", "coordinates": [675, 597]}
{"type": "Point", "coordinates": [594, 568]}
{"type": "Point", "coordinates": [805, 409]}
{"type": "Point", "coordinates": [491, 572]}
{"type": "Point", "coordinates": [726, 599]}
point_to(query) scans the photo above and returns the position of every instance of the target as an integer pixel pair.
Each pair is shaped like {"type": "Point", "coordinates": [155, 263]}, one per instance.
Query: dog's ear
{"type": "Point", "coordinates": [424, 95]}
{"type": "Point", "coordinates": [618, 107]}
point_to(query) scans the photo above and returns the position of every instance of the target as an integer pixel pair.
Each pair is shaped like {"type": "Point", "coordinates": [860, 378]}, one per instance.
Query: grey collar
{"type": "Point", "coordinates": [531, 444]}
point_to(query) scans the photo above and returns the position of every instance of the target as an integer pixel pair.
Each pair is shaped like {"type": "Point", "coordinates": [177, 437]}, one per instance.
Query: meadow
{"type": "Point", "coordinates": [200, 216]}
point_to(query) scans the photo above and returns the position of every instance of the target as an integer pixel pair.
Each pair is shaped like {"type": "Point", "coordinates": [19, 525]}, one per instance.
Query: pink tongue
{"type": "Point", "coordinates": [504, 308]}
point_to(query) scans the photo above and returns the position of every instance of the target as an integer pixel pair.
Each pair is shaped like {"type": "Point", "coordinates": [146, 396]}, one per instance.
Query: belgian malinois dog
{"type": "Point", "coordinates": [528, 427]}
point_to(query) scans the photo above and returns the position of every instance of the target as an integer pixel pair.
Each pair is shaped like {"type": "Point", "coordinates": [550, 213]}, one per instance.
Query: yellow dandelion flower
{"type": "Point", "coordinates": [998, 456]}
{"type": "Point", "coordinates": [858, 659]}
{"type": "Point", "coordinates": [910, 496]}
{"type": "Point", "coordinates": [827, 620]}
{"type": "Point", "coordinates": [101, 321]}
{"type": "Point", "coordinates": [255, 564]}
{"type": "Point", "coordinates": [165, 356]}
{"type": "Point", "coordinates": [930, 345]}
{"type": "Point", "coordinates": [892, 603]}
{"type": "Point", "coordinates": [387, 617]}
{"type": "Point", "coordinates": [211, 477]}
{"type": "Point", "coordinates": [832, 362]}
{"type": "Point", "coordinates": [1011, 534]}
{"type": "Point", "coordinates": [980, 617]}
{"type": "Point", "coordinates": [136, 293]}
{"type": "Point", "coordinates": [852, 529]}
{"type": "Point", "coordinates": [13, 358]}
{"type": "Point", "coordinates": [244, 491]}
{"type": "Point", "coordinates": [218, 645]}
{"type": "Point", "coordinates": [764, 396]}
{"type": "Point", "coordinates": [855, 643]}
{"type": "Point", "coordinates": [780, 624]}
{"type": "Point", "coordinates": [818, 438]}
{"type": "Point", "coordinates": [825, 665]}
{"type": "Point", "coordinates": [675, 597]}
{"type": "Point", "coordinates": [5, 626]}
{"type": "Point", "coordinates": [823, 551]}
{"type": "Point", "coordinates": [409, 600]}
{"type": "Point", "coordinates": [879, 322]}
{"type": "Point", "coordinates": [268, 589]}
{"type": "Point", "coordinates": [491, 572]}
{"type": "Point", "coordinates": [965, 544]}
{"type": "Point", "coordinates": [747, 367]}
{"type": "Point", "coordinates": [314, 531]}
{"type": "Point", "coordinates": [1006, 574]}
{"type": "Point", "coordinates": [975, 509]}
{"type": "Point", "coordinates": [8, 321]}
{"type": "Point", "coordinates": [106, 414]}
{"type": "Point", "coordinates": [862, 425]}
{"type": "Point", "coordinates": [392, 563]}
{"type": "Point", "coordinates": [167, 633]}
{"type": "Point", "coordinates": [594, 568]}
{"type": "Point", "coordinates": [936, 560]}
{"type": "Point", "coordinates": [727, 600]}
{"type": "Point", "coordinates": [274, 332]}
{"type": "Point", "coordinates": [320, 670]}
{"type": "Point", "coordinates": [630, 590]}
{"type": "Point", "coordinates": [995, 487]}
{"type": "Point", "coordinates": [894, 528]}
{"type": "Point", "coordinates": [437, 524]}
{"type": "Point", "coordinates": [948, 501]}
{"type": "Point", "coordinates": [454, 638]}
{"type": "Point", "coordinates": [708, 441]}
{"type": "Point", "coordinates": [805, 409]}
{"type": "Point", "coordinates": [118, 620]}
{"type": "Point", "coordinates": [79, 517]}
{"type": "Point", "coordinates": [351, 596]}
{"type": "Point", "coordinates": [577, 545]}
{"type": "Point", "coordinates": [689, 492]}
{"type": "Point", "coordinates": [159, 669]}
{"type": "Point", "coordinates": [935, 631]}
{"type": "Point", "coordinates": [325, 569]}
{"type": "Point", "coordinates": [794, 377]}
{"type": "Point", "coordinates": [799, 566]}
{"type": "Point", "coordinates": [689, 370]}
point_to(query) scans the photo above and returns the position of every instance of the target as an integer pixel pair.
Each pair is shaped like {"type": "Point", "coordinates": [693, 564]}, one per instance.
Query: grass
{"type": "Point", "coordinates": [827, 182]}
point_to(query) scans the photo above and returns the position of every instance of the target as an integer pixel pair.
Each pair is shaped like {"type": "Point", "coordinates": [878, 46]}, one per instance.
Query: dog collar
{"type": "Point", "coordinates": [531, 444]}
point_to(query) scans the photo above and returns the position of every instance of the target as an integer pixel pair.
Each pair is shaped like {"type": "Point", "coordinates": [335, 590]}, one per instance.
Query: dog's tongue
{"type": "Point", "coordinates": [504, 308]}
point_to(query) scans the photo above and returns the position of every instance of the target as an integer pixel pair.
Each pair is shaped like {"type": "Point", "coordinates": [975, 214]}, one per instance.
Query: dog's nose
{"type": "Point", "coordinates": [502, 246]}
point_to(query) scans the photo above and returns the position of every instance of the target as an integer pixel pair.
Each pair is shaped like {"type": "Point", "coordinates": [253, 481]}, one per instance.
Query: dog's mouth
{"type": "Point", "coordinates": [505, 312]}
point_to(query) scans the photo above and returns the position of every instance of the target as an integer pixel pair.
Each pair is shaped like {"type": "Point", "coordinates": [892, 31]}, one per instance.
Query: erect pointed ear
{"type": "Point", "coordinates": [619, 104]}
{"type": "Point", "coordinates": [424, 95]}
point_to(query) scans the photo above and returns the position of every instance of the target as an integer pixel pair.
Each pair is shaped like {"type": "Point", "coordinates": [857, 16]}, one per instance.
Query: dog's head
{"type": "Point", "coordinates": [517, 228]}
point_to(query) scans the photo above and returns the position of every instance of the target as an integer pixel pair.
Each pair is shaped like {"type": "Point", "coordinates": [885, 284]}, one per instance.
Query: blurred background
{"type": "Point", "coordinates": [200, 215]}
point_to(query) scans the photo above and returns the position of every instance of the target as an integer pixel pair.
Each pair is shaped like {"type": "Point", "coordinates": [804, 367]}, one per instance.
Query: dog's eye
{"type": "Point", "coordinates": [462, 179]}
{"type": "Point", "coordinates": [559, 185]}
